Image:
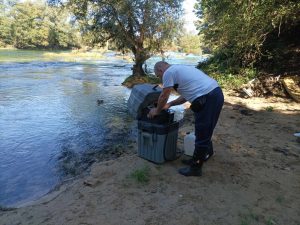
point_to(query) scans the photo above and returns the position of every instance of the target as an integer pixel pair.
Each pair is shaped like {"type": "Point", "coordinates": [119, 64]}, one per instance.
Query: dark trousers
{"type": "Point", "coordinates": [205, 121]}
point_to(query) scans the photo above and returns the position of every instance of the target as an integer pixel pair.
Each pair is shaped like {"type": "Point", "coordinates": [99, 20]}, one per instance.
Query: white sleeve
{"type": "Point", "coordinates": [168, 80]}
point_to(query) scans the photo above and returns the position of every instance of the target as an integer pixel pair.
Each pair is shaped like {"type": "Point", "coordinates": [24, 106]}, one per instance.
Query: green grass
{"type": "Point", "coordinates": [245, 222]}
{"type": "Point", "coordinates": [270, 222]}
{"type": "Point", "coordinates": [141, 175]}
{"type": "Point", "coordinates": [249, 219]}
{"type": "Point", "coordinates": [269, 108]}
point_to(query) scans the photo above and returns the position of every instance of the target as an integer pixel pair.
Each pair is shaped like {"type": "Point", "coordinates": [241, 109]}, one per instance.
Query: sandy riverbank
{"type": "Point", "coordinates": [254, 178]}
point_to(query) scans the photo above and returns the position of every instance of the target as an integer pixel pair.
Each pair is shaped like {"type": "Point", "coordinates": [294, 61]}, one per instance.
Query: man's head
{"type": "Point", "coordinates": [160, 67]}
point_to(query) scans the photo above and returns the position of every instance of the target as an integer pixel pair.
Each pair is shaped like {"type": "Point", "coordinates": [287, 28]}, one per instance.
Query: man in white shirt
{"type": "Point", "coordinates": [206, 99]}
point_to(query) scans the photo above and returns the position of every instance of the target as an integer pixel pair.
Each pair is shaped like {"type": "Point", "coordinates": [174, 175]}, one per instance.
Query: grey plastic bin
{"type": "Point", "coordinates": [157, 143]}
{"type": "Point", "coordinates": [157, 137]}
{"type": "Point", "coordinates": [142, 95]}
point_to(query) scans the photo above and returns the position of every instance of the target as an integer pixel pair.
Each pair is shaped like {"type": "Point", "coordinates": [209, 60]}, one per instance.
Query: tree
{"type": "Point", "coordinates": [5, 37]}
{"type": "Point", "coordinates": [32, 24]}
{"type": "Point", "coordinates": [28, 28]}
{"type": "Point", "coordinates": [142, 26]}
{"type": "Point", "coordinates": [239, 32]}
{"type": "Point", "coordinates": [5, 21]}
{"type": "Point", "coordinates": [62, 34]}
{"type": "Point", "coordinates": [190, 43]}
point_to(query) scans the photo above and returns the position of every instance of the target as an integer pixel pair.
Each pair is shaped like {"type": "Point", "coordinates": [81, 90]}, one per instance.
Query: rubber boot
{"type": "Point", "coordinates": [209, 154]}
{"type": "Point", "coordinates": [195, 169]}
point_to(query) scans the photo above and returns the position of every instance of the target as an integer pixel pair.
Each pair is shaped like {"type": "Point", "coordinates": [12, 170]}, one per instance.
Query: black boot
{"type": "Point", "coordinates": [188, 162]}
{"type": "Point", "coordinates": [193, 170]}
{"type": "Point", "coordinates": [210, 152]}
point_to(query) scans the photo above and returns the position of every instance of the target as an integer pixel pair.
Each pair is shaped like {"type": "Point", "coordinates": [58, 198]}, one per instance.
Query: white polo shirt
{"type": "Point", "coordinates": [192, 82]}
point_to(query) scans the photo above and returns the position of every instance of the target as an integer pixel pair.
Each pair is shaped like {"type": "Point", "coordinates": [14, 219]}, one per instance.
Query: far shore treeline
{"type": "Point", "coordinates": [38, 25]}
{"type": "Point", "coordinates": [35, 25]}
{"type": "Point", "coordinates": [244, 38]}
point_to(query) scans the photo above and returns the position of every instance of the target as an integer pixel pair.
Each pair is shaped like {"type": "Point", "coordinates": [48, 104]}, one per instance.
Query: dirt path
{"type": "Point", "coordinates": [254, 178]}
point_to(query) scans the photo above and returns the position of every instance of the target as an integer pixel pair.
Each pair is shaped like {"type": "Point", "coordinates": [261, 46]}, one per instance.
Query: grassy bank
{"type": "Point", "coordinates": [228, 77]}
{"type": "Point", "coordinates": [16, 55]}
{"type": "Point", "coordinates": [76, 54]}
{"type": "Point", "coordinates": [133, 80]}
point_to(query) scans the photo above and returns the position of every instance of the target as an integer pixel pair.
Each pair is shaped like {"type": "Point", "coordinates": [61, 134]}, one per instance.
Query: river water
{"type": "Point", "coordinates": [52, 126]}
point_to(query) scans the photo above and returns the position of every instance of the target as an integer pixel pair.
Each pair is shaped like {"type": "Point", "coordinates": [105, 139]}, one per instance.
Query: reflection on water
{"type": "Point", "coordinates": [51, 124]}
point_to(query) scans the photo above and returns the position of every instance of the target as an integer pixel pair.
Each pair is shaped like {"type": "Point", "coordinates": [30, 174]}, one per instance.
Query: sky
{"type": "Point", "coordinates": [189, 16]}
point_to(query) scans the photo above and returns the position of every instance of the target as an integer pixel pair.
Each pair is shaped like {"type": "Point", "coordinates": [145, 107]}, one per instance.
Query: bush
{"type": "Point", "coordinates": [227, 77]}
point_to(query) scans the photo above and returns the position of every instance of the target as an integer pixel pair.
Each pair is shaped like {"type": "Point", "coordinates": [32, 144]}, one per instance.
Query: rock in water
{"type": "Point", "coordinates": [100, 101]}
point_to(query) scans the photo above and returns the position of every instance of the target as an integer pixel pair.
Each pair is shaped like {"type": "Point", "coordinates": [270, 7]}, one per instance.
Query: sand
{"type": "Point", "coordinates": [254, 178]}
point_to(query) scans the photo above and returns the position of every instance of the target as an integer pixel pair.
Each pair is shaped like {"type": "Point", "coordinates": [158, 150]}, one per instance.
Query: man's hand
{"type": "Point", "coordinates": [167, 106]}
{"type": "Point", "coordinates": [161, 103]}
{"type": "Point", "coordinates": [153, 112]}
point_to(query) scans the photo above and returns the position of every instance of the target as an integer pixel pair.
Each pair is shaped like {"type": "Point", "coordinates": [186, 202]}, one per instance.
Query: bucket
{"type": "Point", "coordinates": [189, 143]}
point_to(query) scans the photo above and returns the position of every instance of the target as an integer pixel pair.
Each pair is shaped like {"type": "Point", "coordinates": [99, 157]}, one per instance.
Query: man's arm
{"type": "Point", "coordinates": [163, 98]}
{"type": "Point", "coordinates": [178, 101]}
{"type": "Point", "coordinates": [162, 101]}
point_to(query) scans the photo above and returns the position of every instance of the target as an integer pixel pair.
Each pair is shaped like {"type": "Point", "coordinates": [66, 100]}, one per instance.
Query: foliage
{"type": "Point", "coordinates": [190, 43]}
{"type": "Point", "coordinates": [248, 33]}
{"type": "Point", "coordinates": [35, 25]}
{"type": "Point", "coordinates": [5, 22]}
{"type": "Point", "coordinates": [62, 33]}
{"type": "Point", "coordinates": [142, 26]}
{"type": "Point", "coordinates": [228, 78]}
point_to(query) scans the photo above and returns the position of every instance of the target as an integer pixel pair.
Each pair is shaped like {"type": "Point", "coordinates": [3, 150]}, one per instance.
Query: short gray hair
{"type": "Point", "coordinates": [160, 64]}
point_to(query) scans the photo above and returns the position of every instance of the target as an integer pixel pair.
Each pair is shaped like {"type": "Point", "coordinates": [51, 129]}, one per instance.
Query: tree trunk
{"type": "Point", "coordinates": [139, 59]}
{"type": "Point", "coordinates": [137, 69]}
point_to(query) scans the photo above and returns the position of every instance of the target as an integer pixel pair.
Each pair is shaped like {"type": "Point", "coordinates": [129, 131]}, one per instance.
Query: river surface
{"type": "Point", "coordinates": [52, 126]}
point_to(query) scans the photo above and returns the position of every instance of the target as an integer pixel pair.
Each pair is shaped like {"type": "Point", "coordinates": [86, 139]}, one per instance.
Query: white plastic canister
{"type": "Point", "coordinates": [189, 143]}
